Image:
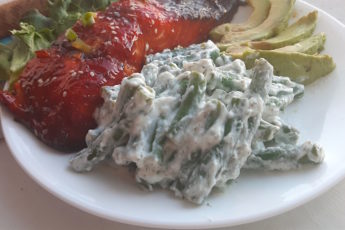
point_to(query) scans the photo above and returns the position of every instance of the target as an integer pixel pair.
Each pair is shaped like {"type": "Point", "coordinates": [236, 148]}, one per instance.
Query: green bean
{"type": "Point", "coordinates": [266, 131]}
{"type": "Point", "coordinates": [285, 157]}
{"type": "Point", "coordinates": [192, 97]}
{"type": "Point", "coordinates": [262, 78]}
{"type": "Point", "coordinates": [134, 94]}
{"type": "Point", "coordinates": [214, 115]}
{"type": "Point", "coordinates": [190, 131]}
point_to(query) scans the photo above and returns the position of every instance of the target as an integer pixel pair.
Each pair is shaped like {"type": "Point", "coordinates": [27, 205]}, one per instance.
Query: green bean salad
{"type": "Point", "coordinates": [193, 118]}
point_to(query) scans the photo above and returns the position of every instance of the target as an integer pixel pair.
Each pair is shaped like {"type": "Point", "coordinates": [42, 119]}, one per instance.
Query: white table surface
{"type": "Point", "coordinates": [25, 205]}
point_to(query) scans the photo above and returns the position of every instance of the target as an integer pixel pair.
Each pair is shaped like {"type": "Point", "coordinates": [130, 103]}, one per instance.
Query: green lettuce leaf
{"type": "Point", "coordinates": [38, 31]}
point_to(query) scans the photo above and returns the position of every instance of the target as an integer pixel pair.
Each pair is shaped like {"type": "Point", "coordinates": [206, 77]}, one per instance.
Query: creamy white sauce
{"type": "Point", "coordinates": [192, 119]}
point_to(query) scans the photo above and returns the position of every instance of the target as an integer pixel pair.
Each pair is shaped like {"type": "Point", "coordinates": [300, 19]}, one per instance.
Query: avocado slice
{"type": "Point", "coordinates": [260, 12]}
{"type": "Point", "coordinates": [298, 31]}
{"type": "Point", "coordinates": [301, 68]}
{"type": "Point", "coordinates": [235, 50]}
{"type": "Point", "coordinates": [311, 45]}
{"type": "Point", "coordinates": [276, 22]}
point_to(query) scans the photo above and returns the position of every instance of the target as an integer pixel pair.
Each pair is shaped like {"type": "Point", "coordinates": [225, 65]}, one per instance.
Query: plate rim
{"type": "Point", "coordinates": [62, 195]}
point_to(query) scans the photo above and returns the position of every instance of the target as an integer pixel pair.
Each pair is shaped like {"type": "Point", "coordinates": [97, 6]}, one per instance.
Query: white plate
{"type": "Point", "coordinates": [112, 194]}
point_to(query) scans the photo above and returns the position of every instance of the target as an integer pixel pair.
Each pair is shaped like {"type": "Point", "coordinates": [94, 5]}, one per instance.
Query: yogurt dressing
{"type": "Point", "coordinates": [193, 118]}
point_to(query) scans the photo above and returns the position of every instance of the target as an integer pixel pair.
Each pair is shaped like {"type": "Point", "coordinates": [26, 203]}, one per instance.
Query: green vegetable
{"type": "Point", "coordinates": [20, 50]}
{"type": "Point", "coordinates": [38, 32]}
{"type": "Point", "coordinates": [191, 99]}
{"type": "Point", "coordinates": [191, 127]}
{"type": "Point", "coordinates": [88, 19]}
{"type": "Point", "coordinates": [82, 46]}
{"type": "Point", "coordinates": [77, 43]}
{"type": "Point", "coordinates": [266, 131]}
{"type": "Point", "coordinates": [214, 115]}
{"type": "Point", "coordinates": [38, 20]}
{"type": "Point", "coordinates": [285, 157]}
{"type": "Point", "coordinates": [71, 35]}
{"type": "Point", "coordinates": [136, 94]}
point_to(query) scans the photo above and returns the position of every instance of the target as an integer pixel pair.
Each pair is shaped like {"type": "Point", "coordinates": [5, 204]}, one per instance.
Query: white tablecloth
{"type": "Point", "coordinates": [25, 205]}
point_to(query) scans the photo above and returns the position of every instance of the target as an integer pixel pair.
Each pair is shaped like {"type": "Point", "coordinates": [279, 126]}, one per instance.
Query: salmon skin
{"type": "Point", "coordinates": [59, 90]}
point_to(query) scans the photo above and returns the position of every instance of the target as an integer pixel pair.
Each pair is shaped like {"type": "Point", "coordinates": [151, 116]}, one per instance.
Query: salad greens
{"type": "Point", "coordinates": [38, 31]}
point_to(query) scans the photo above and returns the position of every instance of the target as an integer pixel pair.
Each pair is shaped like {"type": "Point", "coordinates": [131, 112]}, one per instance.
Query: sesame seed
{"type": "Point", "coordinates": [173, 30]}
{"type": "Point", "coordinates": [103, 31]}
{"type": "Point", "coordinates": [80, 72]}
{"type": "Point", "coordinates": [40, 81]}
{"type": "Point", "coordinates": [125, 21]}
{"type": "Point", "coordinates": [64, 94]}
{"type": "Point", "coordinates": [156, 31]}
{"type": "Point", "coordinates": [92, 74]}
{"type": "Point", "coordinates": [113, 32]}
{"type": "Point", "coordinates": [147, 47]}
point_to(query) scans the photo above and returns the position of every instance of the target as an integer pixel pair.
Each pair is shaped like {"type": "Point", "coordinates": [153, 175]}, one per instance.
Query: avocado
{"type": "Point", "coordinates": [277, 21]}
{"type": "Point", "coordinates": [311, 45]}
{"type": "Point", "coordinates": [235, 50]}
{"type": "Point", "coordinates": [302, 68]}
{"type": "Point", "coordinates": [298, 31]}
{"type": "Point", "coordinates": [260, 12]}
